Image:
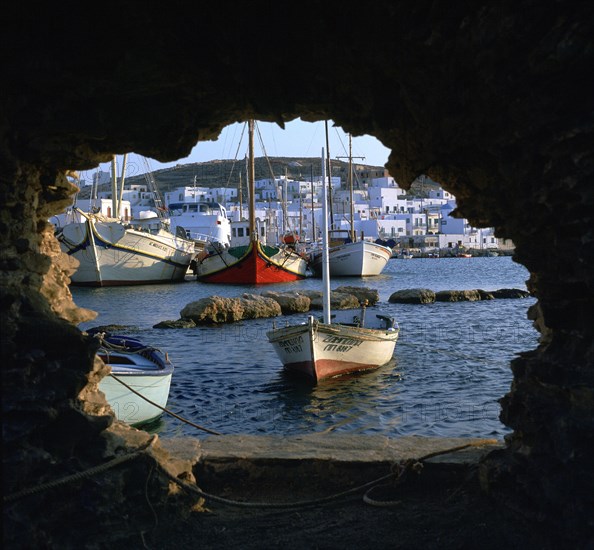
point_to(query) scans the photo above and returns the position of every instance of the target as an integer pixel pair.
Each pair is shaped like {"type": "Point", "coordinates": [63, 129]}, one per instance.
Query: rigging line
{"type": "Point", "coordinates": [164, 409]}
{"type": "Point", "coordinates": [236, 152]}
{"type": "Point", "coordinates": [286, 217]}
{"type": "Point", "coordinates": [264, 151]}
{"type": "Point", "coordinates": [340, 140]}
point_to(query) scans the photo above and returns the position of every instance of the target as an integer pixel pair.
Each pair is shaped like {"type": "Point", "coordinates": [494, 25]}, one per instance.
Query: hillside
{"type": "Point", "coordinates": [226, 173]}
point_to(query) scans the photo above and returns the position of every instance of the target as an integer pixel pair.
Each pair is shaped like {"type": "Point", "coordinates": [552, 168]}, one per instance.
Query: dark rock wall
{"type": "Point", "coordinates": [492, 100]}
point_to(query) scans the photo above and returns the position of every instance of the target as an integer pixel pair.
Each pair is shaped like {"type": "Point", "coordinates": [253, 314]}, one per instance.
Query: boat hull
{"type": "Point", "coordinates": [319, 351]}
{"type": "Point", "coordinates": [356, 259]}
{"type": "Point", "coordinates": [132, 408]}
{"type": "Point", "coordinates": [137, 388]}
{"type": "Point", "coordinates": [254, 264]}
{"type": "Point", "coordinates": [110, 254]}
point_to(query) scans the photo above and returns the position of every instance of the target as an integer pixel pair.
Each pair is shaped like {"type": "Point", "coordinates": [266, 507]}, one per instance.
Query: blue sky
{"type": "Point", "coordinates": [298, 139]}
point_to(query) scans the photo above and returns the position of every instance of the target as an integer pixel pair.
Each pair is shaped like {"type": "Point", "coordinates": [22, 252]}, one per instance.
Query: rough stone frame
{"type": "Point", "coordinates": [491, 100]}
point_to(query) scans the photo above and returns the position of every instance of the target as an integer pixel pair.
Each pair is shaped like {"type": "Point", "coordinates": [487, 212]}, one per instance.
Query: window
{"type": "Point", "coordinates": [240, 231]}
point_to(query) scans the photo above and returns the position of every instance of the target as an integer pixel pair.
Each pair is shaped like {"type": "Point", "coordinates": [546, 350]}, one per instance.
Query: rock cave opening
{"type": "Point", "coordinates": [506, 126]}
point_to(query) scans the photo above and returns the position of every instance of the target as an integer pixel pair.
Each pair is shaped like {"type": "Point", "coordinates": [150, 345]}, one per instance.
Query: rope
{"type": "Point", "coordinates": [171, 413]}
{"type": "Point", "coordinates": [79, 475]}
{"type": "Point", "coordinates": [402, 468]}
{"type": "Point", "coordinates": [415, 465]}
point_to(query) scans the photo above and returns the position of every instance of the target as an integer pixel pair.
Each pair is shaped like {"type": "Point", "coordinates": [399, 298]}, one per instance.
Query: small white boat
{"type": "Point", "coordinates": [346, 342]}
{"type": "Point", "coordinates": [349, 256]}
{"type": "Point", "coordinates": [350, 343]}
{"type": "Point", "coordinates": [138, 387]}
{"type": "Point", "coordinates": [353, 259]}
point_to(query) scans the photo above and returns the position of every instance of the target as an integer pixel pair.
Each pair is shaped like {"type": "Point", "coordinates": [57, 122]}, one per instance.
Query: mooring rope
{"type": "Point", "coordinates": [398, 471]}
{"type": "Point", "coordinates": [401, 468]}
{"type": "Point", "coordinates": [165, 410]}
{"type": "Point", "coordinates": [80, 475]}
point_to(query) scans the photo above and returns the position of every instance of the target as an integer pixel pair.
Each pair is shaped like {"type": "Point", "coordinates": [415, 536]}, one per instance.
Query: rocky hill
{"type": "Point", "coordinates": [226, 173]}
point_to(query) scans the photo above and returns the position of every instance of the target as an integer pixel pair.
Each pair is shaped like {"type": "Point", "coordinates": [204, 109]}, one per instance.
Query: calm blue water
{"type": "Point", "coordinates": [450, 366]}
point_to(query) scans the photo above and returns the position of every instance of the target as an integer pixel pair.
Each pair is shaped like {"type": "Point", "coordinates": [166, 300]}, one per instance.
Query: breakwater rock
{"type": "Point", "coordinates": [426, 296]}
{"type": "Point", "coordinates": [216, 309]}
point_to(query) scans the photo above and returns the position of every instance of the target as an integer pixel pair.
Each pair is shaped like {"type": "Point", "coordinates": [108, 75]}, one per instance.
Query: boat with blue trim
{"type": "Point", "coordinates": [137, 389]}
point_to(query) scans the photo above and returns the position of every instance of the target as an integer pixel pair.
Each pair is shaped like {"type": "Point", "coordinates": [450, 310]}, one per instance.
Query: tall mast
{"type": "Point", "coordinates": [251, 182]}
{"type": "Point", "coordinates": [240, 199]}
{"type": "Point", "coordinates": [325, 252]}
{"type": "Point", "coordinates": [350, 157]}
{"type": "Point", "coordinates": [114, 187]}
{"type": "Point", "coordinates": [124, 162]}
{"type": "Point", "coordinates": [329, 170]}
{"type": "Point", "coordinates": [313, 218]}
{"type": "Point", "coordinates": [351, 187]}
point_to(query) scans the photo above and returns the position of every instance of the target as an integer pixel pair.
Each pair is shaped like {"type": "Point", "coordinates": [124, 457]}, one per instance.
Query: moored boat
{"type": "Point", "coordinates": [350, 343]}
{"type": "Point", "coordinates": [255, 263]}
{"type": "Point", "coordinates": [353, 259]}
{"type": "Point", "coordinates": [112, 253]}
{"type": "Point", "coordinates": [137, 389]}
{"type": "Point", "coordinates": [346, 342]}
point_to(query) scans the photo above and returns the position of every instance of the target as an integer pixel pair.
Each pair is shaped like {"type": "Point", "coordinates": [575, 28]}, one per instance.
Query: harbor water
{"type": "Point", "coordinates": [450, 365]}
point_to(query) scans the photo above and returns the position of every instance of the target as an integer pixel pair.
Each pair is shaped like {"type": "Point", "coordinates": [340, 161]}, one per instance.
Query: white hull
{"type": "Point", "coordinates": [318, 351]}
{"type": "Point", "coordinates": [132, 408]}
{"type": "Point", "coordinates": [144, 369]}
{"type": "Point", "coordinates": [356, 259]}
{"type": "Point", "coordinates": [109, 253]}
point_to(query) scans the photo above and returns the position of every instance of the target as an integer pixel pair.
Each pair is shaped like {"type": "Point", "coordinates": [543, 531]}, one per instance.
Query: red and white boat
{"type": "Point", "coordinates": [255, 263]}
{"type": "Point", "coordinates": [346, 342]}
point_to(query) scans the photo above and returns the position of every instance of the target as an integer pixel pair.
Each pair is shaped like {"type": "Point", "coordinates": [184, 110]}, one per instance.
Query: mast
{"type": "Point", "coordinates": [350, 157]}
{"type": "Point", "coordinates": [313, 218]}
{"type": "Point", "coordinates": [240, 199]}
{"type": "Point", "coordinates": [124, 162]}
{"type": "Point", "coordinates": [351, 188]}
{"type": "Point", "coordinates": [114, 186]}
{"type": "Point", "coordinates": [251, 183]}
{"type": "Point", "coordinates": [325, 253]}
{"type": "Point", "coordinates": [329, 176]}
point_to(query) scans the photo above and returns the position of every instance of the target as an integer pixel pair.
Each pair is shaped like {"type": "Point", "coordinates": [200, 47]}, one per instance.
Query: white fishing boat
{"type": "Point", "coordinates": [346, 342]}
{"type": "Point", "coordinates": [351, 259]}
{"type": "Point", "coordinates": [137, 389]}
{"type": "Point", "coordinates": [349, 256]}
{"type": "Point", "coordinates": [112, 251]}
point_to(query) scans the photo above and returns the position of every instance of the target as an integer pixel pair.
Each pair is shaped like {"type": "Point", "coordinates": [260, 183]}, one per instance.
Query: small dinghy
{"type": "Point", "coordinates": [138, 387]}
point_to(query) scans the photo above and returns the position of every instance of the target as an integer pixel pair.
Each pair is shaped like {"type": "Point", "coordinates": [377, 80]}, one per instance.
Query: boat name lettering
{"type": "Point", "coordinates": [338, 347]}
{"type": "Point", "coordinates": [159, 246]}
{"type": "Point", "coordinates": [292, 345]}
{"type": "Point", "coordinates": [344, 341]}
